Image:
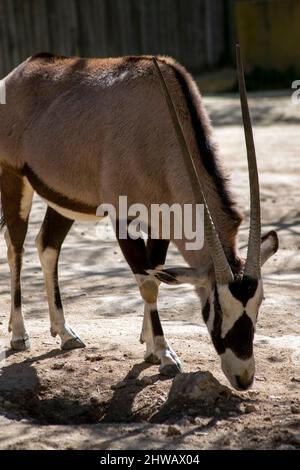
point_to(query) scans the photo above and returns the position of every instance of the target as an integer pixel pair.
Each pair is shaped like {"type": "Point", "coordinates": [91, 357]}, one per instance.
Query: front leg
{"type": "Point", "coordinates": [16, 198]}
{"type": "Point", "coordinates": [157, 348]}
{"type": "Point", "coordinates": [49, 240]}
{"type": "Point", "coordinates": [158, 351]}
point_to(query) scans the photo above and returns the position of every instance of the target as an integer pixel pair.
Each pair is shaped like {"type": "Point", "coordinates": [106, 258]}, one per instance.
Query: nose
{"type": "Point", "coordinates": [243, 381]}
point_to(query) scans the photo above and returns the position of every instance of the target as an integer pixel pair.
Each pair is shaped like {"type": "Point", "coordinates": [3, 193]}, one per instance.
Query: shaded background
{"type": "Point", "coordinates": [199, 33]}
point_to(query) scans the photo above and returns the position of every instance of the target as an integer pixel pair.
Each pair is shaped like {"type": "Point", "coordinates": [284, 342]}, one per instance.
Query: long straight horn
{"type": "Point", "coordinates": [253, 262]}
{"type": "Point", "coordinates": [223, 273]}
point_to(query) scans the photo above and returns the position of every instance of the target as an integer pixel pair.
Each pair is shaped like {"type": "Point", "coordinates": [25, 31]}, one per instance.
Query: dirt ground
{"type": "Point", "coordinates": [105, 396]}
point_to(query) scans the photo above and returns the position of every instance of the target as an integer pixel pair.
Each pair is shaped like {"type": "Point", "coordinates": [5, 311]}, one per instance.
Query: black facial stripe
{"type": "Point", "coordinates": [217, 327]}
{"type": "Point", "coordinates": [239, 338]}
{"type": "Point", "coordinates": [243, 289]}
{"type": "Point", "coordinates": [205, 311]}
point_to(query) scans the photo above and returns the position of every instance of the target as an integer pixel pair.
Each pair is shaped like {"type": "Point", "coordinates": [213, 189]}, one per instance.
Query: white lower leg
{"type": "Point", "coordinates": [17, 327]}
{"type": "Point", "coordinates": [147, 335]}
{"type": "Point", "coordinates": [20, 338]}
{"type": "Point", "coordinates": [59, 326]}
{"type": "Point", "coordinates": [157, 348]}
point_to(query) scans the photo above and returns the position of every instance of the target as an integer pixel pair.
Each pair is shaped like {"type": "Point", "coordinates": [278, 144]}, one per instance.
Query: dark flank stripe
{"type": "Point", "coordinates": [53, 196]}
{"type": "Point", "coordinates": [156, 325]}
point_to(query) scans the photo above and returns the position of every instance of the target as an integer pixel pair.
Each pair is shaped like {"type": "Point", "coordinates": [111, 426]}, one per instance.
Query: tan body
{"type": "Point", "coordinates": [92, 130]}
{"type": "Point", "coordinates": [82, 132]}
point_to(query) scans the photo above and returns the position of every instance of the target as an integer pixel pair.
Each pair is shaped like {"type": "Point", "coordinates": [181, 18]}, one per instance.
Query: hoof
{"type": "Point", "coordinates": [152, 359]}
{"type": "Point", "coordinates": [20, 344]}
{"type": "Point", "coordinates": [170, 370]}
{"type": "Point", "coordinates": [73, 343]}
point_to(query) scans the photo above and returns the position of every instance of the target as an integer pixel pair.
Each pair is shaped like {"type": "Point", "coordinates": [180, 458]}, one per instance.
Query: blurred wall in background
{"type": "Point", "coordinates": [193, 31]}
{"type": "Point", "coordinates": [199, 33]}
{"type": "Point", "coordinates": [269, 33]}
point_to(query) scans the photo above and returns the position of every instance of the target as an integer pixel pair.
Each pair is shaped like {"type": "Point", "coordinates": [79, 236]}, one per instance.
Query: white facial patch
{"type": "Point", "coordinates": [254, 303]}
{"type": "Point", "coordinates": [233, 308]}
{"type": "Point", "coordinates": [210, 321]}
{"type": "Point", "coordinates": [233, 366]}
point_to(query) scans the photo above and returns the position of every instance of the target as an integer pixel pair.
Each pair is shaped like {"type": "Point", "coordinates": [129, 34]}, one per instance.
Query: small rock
{"type": "Point", "coordinates": [274, 359]}
{"type": "Point", "coordinates": [173, 430]}
{"type": "Point", "coordinates": [249, 408]}
{"type": "Point", "coordinates": [146, 380]}
{"type": "Point", "coordinates": [184, 422]}
{"type": "Point", "coordinates": [295, 409]}
{"type": "Point", "coordinates": [93, 357]}
{"type": "Point", "coordinates": [295, 379]}
{"type": "Point", "coordinates": [295, 439]}
{"type": "Point", "coordinates": [69, 368]}
{"type": "Point", "coordinates": [285, 447]}
{"type": "Point", "coordinates": [260, 378]}
{"type": "Point", "coordinates": [198, 386]}
{"type": "Point", "coordinates": [226, 441]}
{"type": "Point", "coordinates": [94, 400]}
{"type": "Point", "coordinates": [275, 397]}
{"type": "Point", "coordinates": [58, 365]}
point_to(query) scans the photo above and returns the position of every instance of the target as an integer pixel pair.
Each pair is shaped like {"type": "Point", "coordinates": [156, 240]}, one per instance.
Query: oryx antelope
{"type": "Point", "coordinates": [81, 132]}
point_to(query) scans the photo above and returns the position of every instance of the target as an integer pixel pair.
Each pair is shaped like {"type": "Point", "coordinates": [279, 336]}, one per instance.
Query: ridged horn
{"type": "Point", "coordinates": [253, 261]}
{"type": "Point", "coordinates": [223, 273]}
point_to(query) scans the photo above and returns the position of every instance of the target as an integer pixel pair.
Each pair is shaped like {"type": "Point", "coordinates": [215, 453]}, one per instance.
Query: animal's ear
{"type": "Point", "coordinates": [180, 276]}
{"type": "Point", "coordinates": [269, 245]}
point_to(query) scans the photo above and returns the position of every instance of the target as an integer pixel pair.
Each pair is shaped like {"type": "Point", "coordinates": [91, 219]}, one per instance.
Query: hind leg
{"type": "Point", "coordinates": [54, 230]}
{"type": "Point", "coordinates": [16, 196]}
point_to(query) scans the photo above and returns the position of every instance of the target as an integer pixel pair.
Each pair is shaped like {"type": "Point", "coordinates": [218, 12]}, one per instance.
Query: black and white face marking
{"type": "Point", "coordinates": [230, 314]}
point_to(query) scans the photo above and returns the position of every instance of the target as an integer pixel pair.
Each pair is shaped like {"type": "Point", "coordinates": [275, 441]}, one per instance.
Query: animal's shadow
{"type": "Point", "coordinates": [20, 384]}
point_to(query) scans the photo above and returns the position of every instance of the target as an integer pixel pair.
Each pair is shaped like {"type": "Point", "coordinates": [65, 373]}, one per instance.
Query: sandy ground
{"type": "Point", "coordinates": [106, 397]}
